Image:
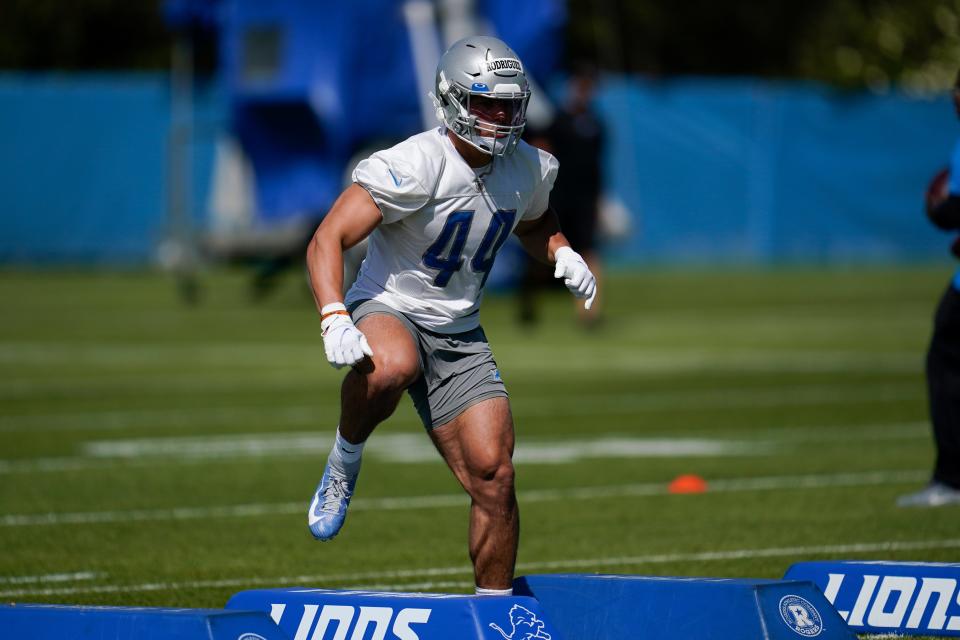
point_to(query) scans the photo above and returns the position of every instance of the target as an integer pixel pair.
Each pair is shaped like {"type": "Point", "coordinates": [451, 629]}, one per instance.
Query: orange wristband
{"type": "Point", "coordinates": [338, 312]}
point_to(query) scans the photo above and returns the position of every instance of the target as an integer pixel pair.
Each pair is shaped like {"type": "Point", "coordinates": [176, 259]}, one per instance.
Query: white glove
{"type": "Point", "coordinates": [344, 344]}
{"type": "Point", "coordinates": [576, 275]}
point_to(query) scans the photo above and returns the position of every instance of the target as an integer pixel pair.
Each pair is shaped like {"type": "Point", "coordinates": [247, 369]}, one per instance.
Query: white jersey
{"type": "Point", "coordinates": [443, 223]}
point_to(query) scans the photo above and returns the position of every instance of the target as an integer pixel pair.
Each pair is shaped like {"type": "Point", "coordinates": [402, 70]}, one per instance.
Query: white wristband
{"type": "Point", "coordinates": [333, 312]}
{"type": "Point", "coordinates": [333, 306]}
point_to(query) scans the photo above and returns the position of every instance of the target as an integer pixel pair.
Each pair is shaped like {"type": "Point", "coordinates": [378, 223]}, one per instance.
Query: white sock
{"type": "Point", "coordinates": [345, 456]}
{"type": "Point", "coordinates": [493, 592]}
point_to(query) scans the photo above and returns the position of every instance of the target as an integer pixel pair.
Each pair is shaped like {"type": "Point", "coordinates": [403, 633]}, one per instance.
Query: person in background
{"type": "Point", "coordinates": [943, 355]}
{"type": "Point", "coordinates": [576, 139]}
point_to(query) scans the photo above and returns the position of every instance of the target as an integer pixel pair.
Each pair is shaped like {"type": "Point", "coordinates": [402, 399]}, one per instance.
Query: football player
{"type": "Point", "coordinates": [943, 354]}
{"type": "Point", "coordinates": [437, 208]}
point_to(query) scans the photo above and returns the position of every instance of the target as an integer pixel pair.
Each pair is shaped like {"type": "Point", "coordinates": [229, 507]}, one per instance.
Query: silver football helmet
{"type": "Point", "coordinates": [482, 94]}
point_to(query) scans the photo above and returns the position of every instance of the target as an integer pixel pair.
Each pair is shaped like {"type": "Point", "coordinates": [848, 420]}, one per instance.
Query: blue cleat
{"type": "Point", "coordinates": [329, 507]}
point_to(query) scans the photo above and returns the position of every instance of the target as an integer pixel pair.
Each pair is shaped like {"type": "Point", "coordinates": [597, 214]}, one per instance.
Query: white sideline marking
{"type": "Point", "coordinates": [416, 448]}
{"type": "Point", "coordinates": [141, 354]}
{"type": "Point", "coordinates": [581, 563]}
{"type": "Point", "coordinates": [283, 376]}
{"type": "Point", "coordinates": [635, 359]}
{"type": "Point", "coordinates": [523, 407]}
{"type": "Point", "coordinates": [136, 418]}
{"type": "Point", "coordinates": [95, 385]}
{"type": "Point", "coordinates": [638, 361]}
{"type": "Point", "coordinates": [455, 500]}
{"type": "Point", "coordinates": [51, 577]}
{"type": "Point", "coordinates": [841, 433]}
{"type": "Point", "coordinates": [413, 587]}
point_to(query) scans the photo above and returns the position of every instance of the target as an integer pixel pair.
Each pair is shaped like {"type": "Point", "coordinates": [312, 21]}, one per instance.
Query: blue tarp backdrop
{"type": "Point", "coordinates": [312, 81]}
{"type": "Point", "coordinates": [732, 170]}
{"type": "Point", "coordinates": [83, 166]}
{"type": "Point", "coordinates": [741, 170]}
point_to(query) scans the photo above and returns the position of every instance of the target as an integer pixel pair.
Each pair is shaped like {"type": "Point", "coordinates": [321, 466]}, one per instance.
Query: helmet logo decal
{"type": "Point", "coordinates": [479, 86]}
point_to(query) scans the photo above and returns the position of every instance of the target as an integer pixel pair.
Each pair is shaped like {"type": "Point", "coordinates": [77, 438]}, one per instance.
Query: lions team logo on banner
{"type": "Point", "coordinates": [801, 616]}
{"type": "Point", "coordinates": [524, 625]}
{"type": "Point", "coordinates": [251, 636]}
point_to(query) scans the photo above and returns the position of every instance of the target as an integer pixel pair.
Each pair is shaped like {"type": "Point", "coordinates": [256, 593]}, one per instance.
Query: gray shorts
{"type": "Point", "coordinates": [457, 369]}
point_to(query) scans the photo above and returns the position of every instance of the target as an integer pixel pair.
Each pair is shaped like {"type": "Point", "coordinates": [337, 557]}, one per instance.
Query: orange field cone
{"type": "Point", "coordinates": [689, 483]}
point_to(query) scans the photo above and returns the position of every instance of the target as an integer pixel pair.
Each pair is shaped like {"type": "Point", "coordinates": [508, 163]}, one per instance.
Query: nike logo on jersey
{"type": "Point", "coordinates": [396, 180]}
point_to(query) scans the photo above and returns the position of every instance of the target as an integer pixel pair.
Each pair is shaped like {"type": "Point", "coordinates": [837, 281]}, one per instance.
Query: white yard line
{"type": "Point", "coordinates": [837, 433]}
{"type": "Point", "coordinates": [528, 406]}
{"type": "Point", "coordinates": [415, 587]}
{"type": "Point", "coordinates": [629, 357]}
{"type": "Point", "coordinates": [390, 448]}
{"type": "Point", "coordinates": [153, 384]}
{"type": "Point", "coordinates": [177, 417]}
{"type": "Point", "coordinates": [283, 376]}
{"type": "Point", "coordinates": [403, 503]}
{"type": "Point", "coordinates": [360, 580]}
{"type": "Point", "coordinates": [78, 576]}
{"type": "Point", "coordinates": [105, 354]}
{"type": "Point", "coordinates": [645, 361]}
{"type": "Point", "coordinates": [800, 395]}
{"type": "Point", "coordinates": [705, 556]}
{"type": "Point", "coordinates": [415, 448]}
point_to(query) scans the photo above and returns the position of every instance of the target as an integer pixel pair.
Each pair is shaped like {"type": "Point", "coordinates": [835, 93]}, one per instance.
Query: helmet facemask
{"type": "Point", "coordinates": [490, 122]}
{"type": "Point", "coordinates": [482, 94]}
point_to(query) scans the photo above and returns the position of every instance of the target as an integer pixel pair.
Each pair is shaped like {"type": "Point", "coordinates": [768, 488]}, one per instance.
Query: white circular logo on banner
{"type": "Point", "coordinates": [801, 616]}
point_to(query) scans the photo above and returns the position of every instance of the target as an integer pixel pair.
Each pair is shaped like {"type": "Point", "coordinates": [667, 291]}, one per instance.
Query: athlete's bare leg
{"type": "Point", "coordinates": [478, 447]}
{"type": "Point", "coordinates": [373, 388]}
{"type": "Point", "coordinates": [369, 395]}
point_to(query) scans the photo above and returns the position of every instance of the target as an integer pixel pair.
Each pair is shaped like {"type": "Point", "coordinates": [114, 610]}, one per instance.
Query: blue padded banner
{"type": "Point", "coordinates": [889, 597]}
{"type": "Point", "coordinates": [54, 622]}
{"type": "Point", "coordinates": [607, 607]}
{"type": "Point", "coordinates": [322, 614]}
{"type": "Point", "coordinates": [756, 171]}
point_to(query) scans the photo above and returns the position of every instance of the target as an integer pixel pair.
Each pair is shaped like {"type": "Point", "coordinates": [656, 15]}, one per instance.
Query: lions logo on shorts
{"type": "Point", "coordinates": [801, 616]}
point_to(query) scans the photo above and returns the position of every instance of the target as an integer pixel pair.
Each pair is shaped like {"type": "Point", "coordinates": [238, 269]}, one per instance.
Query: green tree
{"type": "Point", "coordinates": [877, 44]}
{"type": "Point", "coordinates": [850, 43]}
{"type": "Point", "coordinates": [83, 34]}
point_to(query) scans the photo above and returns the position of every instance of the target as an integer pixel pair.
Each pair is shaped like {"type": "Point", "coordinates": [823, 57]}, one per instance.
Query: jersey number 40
{"type": "Point", "coordinates": [445, 254]}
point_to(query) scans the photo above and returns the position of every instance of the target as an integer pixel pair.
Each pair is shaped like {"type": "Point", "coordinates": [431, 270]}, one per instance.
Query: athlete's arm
{"type": "Point", "coordinates": [353, 217]}
{"type": "Point", "coordinates": [541, 237]}
{"type": "Point", "coordinates": [543, 240]}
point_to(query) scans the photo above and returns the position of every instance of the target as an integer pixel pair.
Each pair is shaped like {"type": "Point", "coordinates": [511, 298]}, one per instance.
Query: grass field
{"type": "Point", "coordinates": [156, 454]}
